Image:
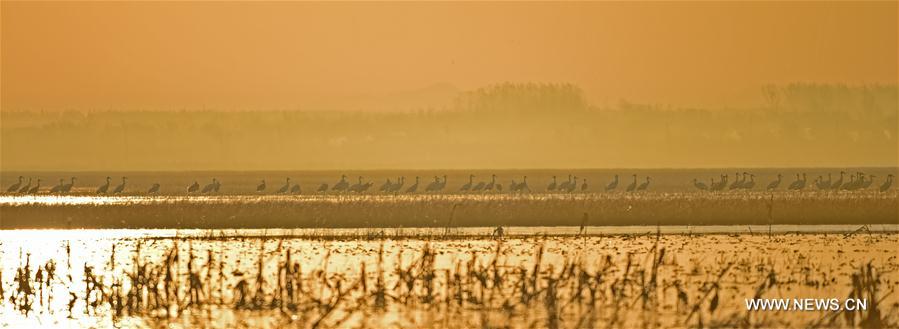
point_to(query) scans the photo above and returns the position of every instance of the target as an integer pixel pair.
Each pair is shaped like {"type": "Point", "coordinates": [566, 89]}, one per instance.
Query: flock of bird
{"type": "Point", "coordinates": [746, 181]}
{"type": "Point", "coordinates": [742, 181]}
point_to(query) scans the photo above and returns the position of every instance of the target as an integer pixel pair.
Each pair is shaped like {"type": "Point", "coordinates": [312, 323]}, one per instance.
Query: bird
{"type": "Point", "coordinates": [365, 187]}
{"type": "Point", "coordinates": [295, 189]}
{"type": "Point", "coordinates": [490, 186]}
{"type": "Point", "coordinates": [868, 182]}
{"type": "Point", "coordinates": [467, 186]}
{"type": "Point", "coordinates": [218, 185]}
{"type": "Point", "coordinates": [66, 188]}
{"type": "Point", "coordinates": [795, 184]}
{"type": "Point", "coordinates": [34, 189]}
{"type": "Point", "coordinates": [121, 187]}
{"type": "Point", "coordinates": [584, 186]}
{"type": "Point", "coordinates": [836, 185]}
{"type": "Point", "coordinates": [552, 186]}
{"type": "Point", "coordinates": [58, 187]}
{"type": "Point", "coordinates": [433, 185]}
{"type": "Point", "coordinates": [386, 186]}
{"type": "Point", "coordinates": [613, 184]}
{"type": "Point", "coordinates": [750, 184]}
{"type": "Point", "coordinates": [24, 189]}
{"type": "Point", "coordinates": [209, 187]}
{"type": "Point", "coordinates": [644, 186]}
{"type": "Point", "coordinates": [396, 188]}
{"type": "Point", "coordinates": [153, 189]}
{"type": "Point", "coordinates": [633, 185]}
{"type": "Point", "coordinates": [820, 184]}
{"type": "Point", "coordinates": [573, 186]}
{"type": "Point", "coordinates": [105, 187]}
{"type": "Point", "coordinates": [356, 187]}
{"type": "Point", "coordinates": [721, 184]}
{"type": "Point", "coordinates": [848, 185]}
{"type": "Point", "coordinates": [323, 188]}
{"type": "Point", "coordinates": [737, 182]}
{"type": "Point", "coordinates": [442, 184]}
{"type": "Point", "coordinates": [341, 185]}
{"type": "Point", "coordinates": [413, 187]}
{"type": "Point", "coordinates": [700, 185]}
{"type": "Point", "coordinates": [887, 183]}
{"type": "Point", "coordinates": [193, 187]}
{"type": "Point", "coordinates": [564, 185]}
{"type": "Point", "coordinates": [827, 184]}
{"type": "Point", "coordinates": [285, 188]}
{"type": "Point", "coordinates": [15, 187]}
{"type": "Point", "coordinates": [774, 184]}
{"type": "Point", "coordinates": [261, 187]}
{"type": "Point", "coordinates": [523, 186]}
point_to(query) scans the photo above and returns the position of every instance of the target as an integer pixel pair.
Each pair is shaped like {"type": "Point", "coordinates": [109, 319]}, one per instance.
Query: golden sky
{"type": "Point", "coordinates": [286, 55]}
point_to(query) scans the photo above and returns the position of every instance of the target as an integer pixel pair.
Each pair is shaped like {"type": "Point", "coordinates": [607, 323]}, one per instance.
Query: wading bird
{"type": "Point", "coordinates": [433, 185]}
{"type": "Point", "coordinates": [887, 183]}
{"type": "Point", "coordinates": [523, 186]}
{"type": "Point", "coordinates": [286, 187]}
{"type": "Point", "coordinates": [490, 186]}
{"type": "Point", "coordinates": [633, 185]}
{"type": "Point", "coordinates": [738, 181]}
{"type": "Point", "coordinates": [58, 187]}
{"type": "Point", "coordinates": [613, 184]}
{"type": "Point", "coordinates": [868, 182]}
{"type": "Point", "coordinates": [261, 187]}
{"type": "Point", "coordinates": [341, 185]}
{"type": "Point", "coordinates": [209, 187]}
{"type": "Point", "coordinates": [105, 187]}
{"type": "Point", "coordinates": [153, 189]}
{"type": "Point", "coordinates": [34, 189]}
{"type": "Point", "coordinates": [584, 186]}
{"type": "Point", "coordinates": [15, 187]}
{"type": "Point", "coordinates": [839, 183]}
{"type": "Point", "coordinates": [774, 184]}
{"type": "Point", "coordinates": [644, 186]}
{"type": "Point", "coordinates": [193, 187]}
{"type": "Point", "coordinates": [295, 189]}
{"type": "Point", "coordinates": [322, 188]}
{"type": "Point", "coordinates": [396, 188]}
{"type": "Point", "coordinates": [24, 189]}
{"type": "Point", "coordinates": [386, 186]}
{"type": "Point", "coordinates": [414, 187]}
{"type": "Point", "coordinates": [467, 186]}
{"type": "Point", "coordinates": [552, 186]}
{"type": "Point", "coordinates": [121, 187]}
{"type": "Point", "coordinates": [750, 184]}
{"type": "Point", "coordinates": [68, 187]}
{"type": "Point", "coordinates": [564, 185]}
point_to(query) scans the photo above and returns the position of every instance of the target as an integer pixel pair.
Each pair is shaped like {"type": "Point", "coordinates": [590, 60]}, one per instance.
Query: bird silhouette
{"type": "Point", "coordinates": [584, 186]}
{"type": "Point", "coordinates": [396, 188]}
{"type": "Point", "coordinates": [261, 187]}
{"type": "Point", "coordinates": [341, 185]}
{"type": "Point", "coordinates": [24, 189]}
{"type": "Point", "coordinates": [564, 185]}
{"type": "Point", "coordinates": [839, 183]}
{"type": "Point", "coordinates": [153, 189]}
{"type": "Point", "coordinates": [209, 187]}
{"type": "Point", "coordinates": [34, 189]}
{"type": "Point", "coordinates": [467, 186]}
{"type": "Point", "coordinates": [523, 186]}
{"type": "Point", "coordinates": [66, 188]}
{"type": "Point", "coordinates": [750, 184]}
{"type": "Point", "coordinates": [193, 187]}
{"type": "Point", "coordinates": [479, 186]}
{"type": "Point", "coordinates": [58, 187]}
{"type": "Point", "coordinates": [386, 186]}
{"type": "Point", "coordinates": [737, 182]}
{"type": "Point", "coordinates": [613, 184]}
{"type": "Point", "coordinates": [15, 187]}
{"type": "Point", "coordinates": [322, 188]}
{"type": "Point", "coordinates": [490, 186]}
{"type": "Point", "coordinates": [433, 185]}
{"type": "Point", "coordinates": [121, 187]}
{"type": "Point", "coordinates": [774, 184]}
{"type": "Point", "coordinates": [552, 186]}
{"type": "Point", "coordinates": [644, 186]}
{"type": "Point", "coordinates": [886, 184]}
{"type": "Point", "coordinates": [868, 182]}
{"type": "Point", "coordinates": [105, 187]}
{"type": "Point", "coordinates": [413, 187]}
{"type": "Point", "coordinates": [442, 184]}
{"type": "Point", "coordinates": [285, 188]}
{"type": "Point", "coordinates": [295, 189]}
{"type": "Point", "coordinates": [633, 185]}
{"type": "Point", "coordinates": [357, 187]}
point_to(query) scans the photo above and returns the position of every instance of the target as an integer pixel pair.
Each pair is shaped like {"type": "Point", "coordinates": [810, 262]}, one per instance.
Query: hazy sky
{"type": "Point", "coordinates": [277, 55]}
